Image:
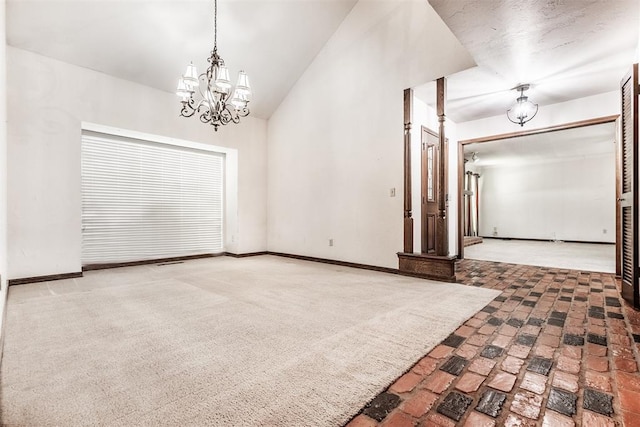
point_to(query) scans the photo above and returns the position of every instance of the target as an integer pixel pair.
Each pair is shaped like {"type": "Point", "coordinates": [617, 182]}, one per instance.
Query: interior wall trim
{"type": "Point", "coordinates": [245, 255]}
{"type": "Point", "coordinates": [90, 267]}
{"type": "Point", "coordinates": [528, 239]}
{"type": "Point", "coordinates": [337, 262]}
{"type": "Point", "coordinates": [36, 279]}
{"type": "Point", "coordinates": [4, 321]}
{"type": "Point", "coordinates": [565, 126]}
{"type": "Point", "coordinates": [48, 278]}
{"type": "Point", "coordinates": [333, 262]}
{"type": "Point", "coordinates": [354, 265]}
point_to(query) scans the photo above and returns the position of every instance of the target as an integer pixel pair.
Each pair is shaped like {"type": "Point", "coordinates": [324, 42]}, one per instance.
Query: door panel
{"type": "Point", "coordinates": [628, 201]}
{"type": "Point", "coordinates": [430, 170]}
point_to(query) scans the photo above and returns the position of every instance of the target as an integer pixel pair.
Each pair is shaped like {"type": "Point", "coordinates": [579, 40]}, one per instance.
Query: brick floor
{"type": "Point", "coordinates": [557, 348]}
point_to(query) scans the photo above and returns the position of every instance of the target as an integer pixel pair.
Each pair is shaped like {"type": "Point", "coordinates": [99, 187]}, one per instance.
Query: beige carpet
{"type": "Point", "coordinates": [261, 341]}
{"type": "Point", "coordinates": [599, 257]}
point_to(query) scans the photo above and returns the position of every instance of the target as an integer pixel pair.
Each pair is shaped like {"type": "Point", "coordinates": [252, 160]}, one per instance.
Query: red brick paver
{"type": "Point", "coordinates": [419, 404]}
{"type": "Point", "coordinates": [406, 383]}
{"type": "Point", "coordinates": [476, 419]}
{"type": "Point", "coordinates": [503, 381]}
{"type": "Point", "coordinates": [566, 381]}
{"type": "Point", "coordinates": [534, 382]}
{"type": "Point", "coordinates": [470, 382]}
{"type": "Point", "coordinates": [554, 419]}
{"type": "Point", "coordinates": [561, 330]}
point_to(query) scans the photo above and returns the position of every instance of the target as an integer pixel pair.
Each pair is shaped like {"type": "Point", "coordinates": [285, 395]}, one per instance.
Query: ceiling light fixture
{"type": "Point", "coordinates": [472, 158]}
{"type": "Point", "coordinates": [216, 107]}
{"type": "Point", "coordinates": [523, 110]}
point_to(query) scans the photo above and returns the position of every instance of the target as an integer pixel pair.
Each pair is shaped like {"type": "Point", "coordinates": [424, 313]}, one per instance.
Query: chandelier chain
{"type": "Point", "coordinates": [215, 25]}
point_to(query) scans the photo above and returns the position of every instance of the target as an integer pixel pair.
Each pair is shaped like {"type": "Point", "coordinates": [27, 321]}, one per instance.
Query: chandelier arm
{"type": "Point", "coordinates": [536, 112]}
{"type": "Point", "coordinates": [200, 105]}
{"type": "Point", "coordinates": [188, 108]}
{"type": "Point", "coordinates": [205, 117]}
{"type": "Point", "coordinates": [511, 120]}
{"type": "Point", "coordinates": [235, 119]}
{"type": "Point", "coordinates": [204, 77]}
{"type": "Point", "coordinates": [226, 116]}
{"type": "Point", "coordinates": [236, 114]}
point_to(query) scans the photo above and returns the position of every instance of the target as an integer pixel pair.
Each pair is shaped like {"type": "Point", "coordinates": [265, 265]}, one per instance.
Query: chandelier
{"type": "Point", "coordinates": [523, 110]}
{"type": "Point", "coordinates": [219, 103]}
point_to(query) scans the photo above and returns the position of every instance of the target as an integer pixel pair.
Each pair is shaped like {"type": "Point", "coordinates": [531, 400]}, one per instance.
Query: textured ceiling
{"type": "Point", "coordinates": [152, 41]}
{"type": "Point", "coordinates": [566, 49]}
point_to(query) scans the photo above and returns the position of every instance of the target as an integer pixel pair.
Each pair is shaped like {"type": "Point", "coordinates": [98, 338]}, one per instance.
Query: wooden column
{"type": "Point", "coordinates": [438, 265]}
{"type": "Point", "coordinates": [408, 220]}
{"type": "Point", "coordinates": [442, 236]}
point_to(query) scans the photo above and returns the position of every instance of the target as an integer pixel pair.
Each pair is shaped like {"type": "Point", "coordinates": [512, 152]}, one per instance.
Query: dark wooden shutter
{"type": "Point", "coordinates": [628, 202]}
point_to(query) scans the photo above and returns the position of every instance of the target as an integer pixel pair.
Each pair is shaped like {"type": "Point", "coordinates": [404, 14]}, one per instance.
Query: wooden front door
{"type": "Point", "coordinates": [430, 170]}
{"type": "Point", "coordinates": [628, 201]}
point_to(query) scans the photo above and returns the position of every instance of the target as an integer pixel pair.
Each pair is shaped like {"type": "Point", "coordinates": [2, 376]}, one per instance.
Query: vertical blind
{"type": "Point", "coordinates": [143, 200]}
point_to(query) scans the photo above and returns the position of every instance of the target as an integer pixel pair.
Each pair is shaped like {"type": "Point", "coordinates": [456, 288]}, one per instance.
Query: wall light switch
{"type": "Point", "coordinates": [392, 192]}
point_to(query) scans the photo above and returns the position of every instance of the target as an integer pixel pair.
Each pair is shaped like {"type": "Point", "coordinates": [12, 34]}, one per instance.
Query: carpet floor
{"type": "Point", "coordinates": [262, 341]}
{"type": "Point", "coordinates": [599, 257]}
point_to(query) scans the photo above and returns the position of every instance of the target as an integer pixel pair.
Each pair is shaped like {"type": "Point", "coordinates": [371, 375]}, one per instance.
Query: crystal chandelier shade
{"type": "Point", "coordinates": [218, 103]}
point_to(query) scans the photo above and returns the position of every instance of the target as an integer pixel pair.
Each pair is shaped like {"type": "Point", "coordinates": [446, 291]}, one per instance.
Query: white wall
{"type": "Point", "coordinates": [3, 169]}
{"type": "Point", "coordinates": [336, 141]}
{"type": "Point", "coordinates": [49, 99]}
{"type": "Point", "coordinates": [570, 200]}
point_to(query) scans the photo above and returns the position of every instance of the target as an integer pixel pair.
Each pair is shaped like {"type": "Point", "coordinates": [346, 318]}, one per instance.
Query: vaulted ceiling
{"type": "Point", "coordinates": [152, 41]}
{"type": "Point", "coordinates": [566, 49]}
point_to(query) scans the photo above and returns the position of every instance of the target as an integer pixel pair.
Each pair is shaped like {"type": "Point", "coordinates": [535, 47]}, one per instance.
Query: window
{"type": "Point", "coordinates": [143, 200]}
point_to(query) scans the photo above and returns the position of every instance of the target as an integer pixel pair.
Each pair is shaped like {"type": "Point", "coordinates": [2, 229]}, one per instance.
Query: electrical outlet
{"type": "Point", "coordinates": [392, 192]}
{"type": "Point", "coordinates": [330, 242]}
{"type": "Point", "coordinates": [604, 231]}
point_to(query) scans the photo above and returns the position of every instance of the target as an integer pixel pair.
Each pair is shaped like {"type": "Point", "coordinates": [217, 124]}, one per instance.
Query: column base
{"type": "Point", "coordinates": [442, 268]}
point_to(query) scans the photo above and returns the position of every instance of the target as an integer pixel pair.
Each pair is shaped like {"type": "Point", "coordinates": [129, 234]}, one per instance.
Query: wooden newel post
{"type": "Point", "coordinates": [442, 235]}
{"type": "Point", "coordinates": [408, 220]}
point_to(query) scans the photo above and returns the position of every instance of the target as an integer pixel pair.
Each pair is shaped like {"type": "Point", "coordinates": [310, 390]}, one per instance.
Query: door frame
{"type": "Point", "coordinates": [565, 126]}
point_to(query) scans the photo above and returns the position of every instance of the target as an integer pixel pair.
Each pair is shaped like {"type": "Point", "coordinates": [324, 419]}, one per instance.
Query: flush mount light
{"type": "Point", "coordinates": [523, 110]}
{"type": "Point", "coordinates": [220, 102]}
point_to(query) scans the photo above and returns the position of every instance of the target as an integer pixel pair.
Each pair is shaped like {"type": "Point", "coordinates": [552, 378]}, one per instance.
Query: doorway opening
{"type": "Point", "coordinates": [543, 197]}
